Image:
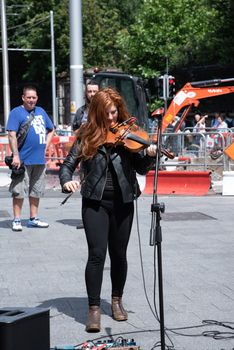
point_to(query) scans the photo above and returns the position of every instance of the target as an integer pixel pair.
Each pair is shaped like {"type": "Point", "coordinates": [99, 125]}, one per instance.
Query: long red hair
{"type": "Point", "coordinates": [93, 133]}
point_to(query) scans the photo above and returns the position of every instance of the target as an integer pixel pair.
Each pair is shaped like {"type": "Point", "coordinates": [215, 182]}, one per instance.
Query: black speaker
{"type": "Point", "coordinates": [24, 328]}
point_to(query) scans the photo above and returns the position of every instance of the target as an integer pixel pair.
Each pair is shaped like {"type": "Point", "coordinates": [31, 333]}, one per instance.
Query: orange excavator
{"type": "Point", "coordinates": [132, 90]}
{"type": "Point", "coordinates": [189, 96]}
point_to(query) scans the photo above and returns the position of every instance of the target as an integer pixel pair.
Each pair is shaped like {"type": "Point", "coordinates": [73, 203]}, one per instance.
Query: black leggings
{"type": "Point", "coordinates": [106, 223]}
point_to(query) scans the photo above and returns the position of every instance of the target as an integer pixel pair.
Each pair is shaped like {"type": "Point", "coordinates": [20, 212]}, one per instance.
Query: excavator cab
{"type": "Point", "coordinates": [132, 90]}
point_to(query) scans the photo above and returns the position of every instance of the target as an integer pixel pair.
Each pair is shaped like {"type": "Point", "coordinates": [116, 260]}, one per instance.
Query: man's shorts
{"type": "Point", "coordinates": [30, 184]}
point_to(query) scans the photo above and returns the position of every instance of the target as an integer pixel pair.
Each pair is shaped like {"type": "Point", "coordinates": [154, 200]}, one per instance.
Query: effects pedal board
{"type": "Point", "coordinates": [120, 344]}
{"type": "Point", "coordinates": [134, 347]}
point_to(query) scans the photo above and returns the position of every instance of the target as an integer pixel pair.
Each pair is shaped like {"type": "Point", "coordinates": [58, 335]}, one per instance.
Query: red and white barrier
{"type": "Point", "coordinates": [196, 183]}
{"type": "Point", "coordinates": [4, 149]}
{"type": "Point", "coordinates": [58, 150]}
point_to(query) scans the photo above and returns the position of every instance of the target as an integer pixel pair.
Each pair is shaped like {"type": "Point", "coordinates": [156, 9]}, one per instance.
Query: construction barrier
{"type": "Point", "coordinates": [58, 150]}
{"type": "Point", "coordinates": [228, 183]}
{"type": "Point", "coordinates": [56, 153]}
{"type": "Point", "coordinates": [196, 183]}
{"type": "Point", "coordinates": [178, 182]}
{"type": "Point", "coordinates": [4, 150]}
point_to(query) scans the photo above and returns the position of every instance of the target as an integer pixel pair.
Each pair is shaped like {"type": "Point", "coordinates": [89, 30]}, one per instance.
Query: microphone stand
{"type": "Point", "coordinates": [156, 231]}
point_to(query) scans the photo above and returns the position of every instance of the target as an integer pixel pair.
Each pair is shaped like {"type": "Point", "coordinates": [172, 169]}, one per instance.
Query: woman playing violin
{"type": "Point", "coordinates": [108, 188]}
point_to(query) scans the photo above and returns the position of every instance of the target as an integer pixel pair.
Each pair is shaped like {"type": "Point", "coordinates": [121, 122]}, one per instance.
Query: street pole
{"type": "Point", "coordinates": [165, 90]}
{"type": "Point", "coordinates": [166, 84]}
{"type": "Point", "coordinates": [76, 56]}
{"type": "Point", "coordinates": [54, 100]}
{"type": "Point", "coordinates": [5, 66]}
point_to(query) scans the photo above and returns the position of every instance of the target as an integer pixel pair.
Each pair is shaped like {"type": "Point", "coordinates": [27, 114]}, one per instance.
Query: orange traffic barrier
{"type": "Point", "coordinates": [4, 150]}
{"type": "Point", "coordinates": [196, 183]}
{"type": "Point", "coordinates": [56, 153]}
{"type": "Point", "coordinates": [58, 150]}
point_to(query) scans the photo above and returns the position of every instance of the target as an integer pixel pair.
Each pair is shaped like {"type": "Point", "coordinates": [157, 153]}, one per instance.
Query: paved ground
{"type": "Point", "coordinates": [45, 268]}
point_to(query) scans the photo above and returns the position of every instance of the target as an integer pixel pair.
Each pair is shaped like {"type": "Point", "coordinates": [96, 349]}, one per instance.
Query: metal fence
{"type": "Point", "coordinates": [196, 149]}
{"type": "Point", "coordinates": [191, 149]}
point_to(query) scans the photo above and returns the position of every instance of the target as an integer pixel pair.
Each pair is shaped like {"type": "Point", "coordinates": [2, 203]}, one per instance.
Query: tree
{"type": "Point", "coordinates": [100, 24]}
{"type": "Point", "coordinates": [30, 29]}
{"type": "Point", "coordinates": [136, 36]}
{"type": "Point", "coordinates": [127, 10]}
{"type": "Point", "coordinates": [102, 21]}
{"type": "Point", "coordinates": [182, 31]}
{"type": "Point", "coordinates": [223, 40]}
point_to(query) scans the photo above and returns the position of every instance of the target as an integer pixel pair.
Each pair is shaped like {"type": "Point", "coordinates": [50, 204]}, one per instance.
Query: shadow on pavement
{"type": "Point", "coordinates": [72, 222]}
{"type": "Point", "coordinates": [68, 222]}
{"type": "Point", "coordinates": [8, 223]}
{"type": "Point", "coordinates": [76, 308]}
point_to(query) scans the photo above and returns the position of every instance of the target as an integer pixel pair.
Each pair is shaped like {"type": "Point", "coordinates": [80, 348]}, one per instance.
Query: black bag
{"type": "Point", "coordinates": [15, 172]}
{"type": "Point", "coordinates": [8, 161]}
{"type": "Point", "coordinates": [23, 131]}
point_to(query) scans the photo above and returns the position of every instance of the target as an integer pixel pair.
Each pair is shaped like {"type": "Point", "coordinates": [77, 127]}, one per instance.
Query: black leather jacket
{"type": "Point", "coordinates": [93, 172]}
{"type": "Point", "coordinates": [80, 117]}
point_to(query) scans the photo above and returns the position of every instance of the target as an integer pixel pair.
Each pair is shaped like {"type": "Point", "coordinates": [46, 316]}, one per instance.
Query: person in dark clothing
{"type": "Point", "coordinates": [82, 113]}
{"type": "Point", "coordinates": [108, 188]}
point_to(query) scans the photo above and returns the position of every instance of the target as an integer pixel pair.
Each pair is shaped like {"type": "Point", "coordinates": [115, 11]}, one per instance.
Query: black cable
{"type": "Point", "coordinates": [217, 334]}
{"type": "Point", "coordinates": [213, 334]}
{"type": "Point", "coordinates": [153, 225]}
{"type": "Point", "coordinates": [154, 312]}
{"type": "Point", "coordinates": [218, 323]}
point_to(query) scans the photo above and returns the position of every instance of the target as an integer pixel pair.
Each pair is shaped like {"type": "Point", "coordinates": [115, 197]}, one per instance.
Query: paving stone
{"type": "Point", "coordinates": [45, 268]}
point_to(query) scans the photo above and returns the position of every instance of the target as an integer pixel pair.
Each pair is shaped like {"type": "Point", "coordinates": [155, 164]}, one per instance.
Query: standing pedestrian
{"type": "Point", "coordinates": [82, 113]}
{"type": "Point", "coordinates": [109, 187]}
{"type": "Point", "coordinates": [32, 154]}
{"type": "Point", "coordinates": [222, 125]}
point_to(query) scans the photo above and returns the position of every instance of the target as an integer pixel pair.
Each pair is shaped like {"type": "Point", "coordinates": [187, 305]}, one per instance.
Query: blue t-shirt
{"type": "Point", "coordinates": [33, 149]}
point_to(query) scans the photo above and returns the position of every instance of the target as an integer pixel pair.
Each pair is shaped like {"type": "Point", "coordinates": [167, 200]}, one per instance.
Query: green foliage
{"type": "Point", "coordinates": [100, 25]}
{"type": "Point", "coordinates": [30, 29]}
{"type": "Point", "coordinates": [127, 10]}
{"type": "Point", "coordinates": [137, 36]}
{"type": "Point", "coordinates": [156, 104]}
{"type": "Point", "coordinates": [223, 42]}
{"type": "Point", "coordinates": [181, 31]}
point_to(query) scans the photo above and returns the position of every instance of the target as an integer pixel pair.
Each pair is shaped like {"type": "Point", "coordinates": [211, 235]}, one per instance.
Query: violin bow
{"type": "Point", "coordinates": [68, 196]}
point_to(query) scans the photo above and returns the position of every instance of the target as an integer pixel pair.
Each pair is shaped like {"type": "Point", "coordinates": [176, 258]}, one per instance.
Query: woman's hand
{"type": "Point", "coordinates": [151, 150]}
{"type": "Point", "coordinates": [71, 186]}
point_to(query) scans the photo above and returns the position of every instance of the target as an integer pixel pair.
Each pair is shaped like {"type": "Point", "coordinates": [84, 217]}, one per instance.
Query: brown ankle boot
{"type": "Point", "coordinates": [118, 312]}
{"type": "Point", "coordinates": [94, 319]}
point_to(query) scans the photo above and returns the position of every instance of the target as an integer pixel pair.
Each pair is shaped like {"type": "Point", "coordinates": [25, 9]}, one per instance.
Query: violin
{"type": "Point", "coordinates": [130, 136]}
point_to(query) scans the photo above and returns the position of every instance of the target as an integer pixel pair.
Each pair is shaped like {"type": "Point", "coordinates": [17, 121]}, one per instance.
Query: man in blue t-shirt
{"type": "Point", "coordinates": [32, 154]}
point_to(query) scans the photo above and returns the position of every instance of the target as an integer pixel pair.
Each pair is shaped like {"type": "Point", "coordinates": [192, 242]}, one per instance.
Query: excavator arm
{"type": "Point", "coordinates": [190, 95]}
